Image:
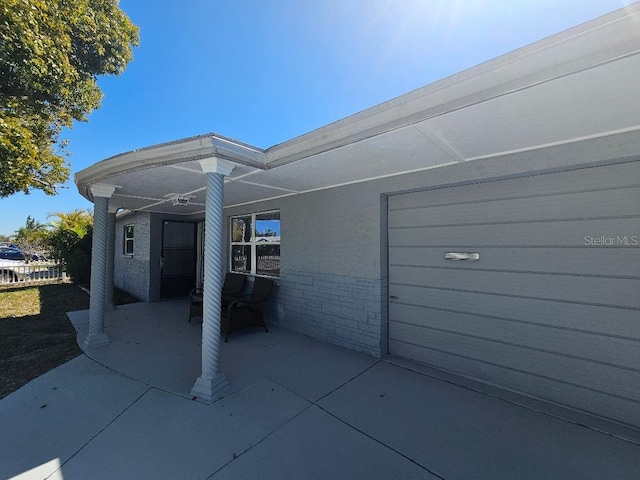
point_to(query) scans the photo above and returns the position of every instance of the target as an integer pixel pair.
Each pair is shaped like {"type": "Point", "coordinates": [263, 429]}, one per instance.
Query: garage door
{"type": "Point", "coordinates": [550, 308]}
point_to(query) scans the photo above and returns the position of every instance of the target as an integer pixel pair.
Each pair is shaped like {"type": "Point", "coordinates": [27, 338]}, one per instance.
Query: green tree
{"type": "Point", "coordinates": [70, 241]}
{"type": "Point", "coordinates": [78, 221]}
{"type": "Point", "coordinates": [32, 237]}
{"type": "Point", "coordinates": [51, 52]}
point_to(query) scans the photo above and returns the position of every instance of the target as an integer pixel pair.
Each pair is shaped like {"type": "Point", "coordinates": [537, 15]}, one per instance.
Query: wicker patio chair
{"type": "Point", "coordinates": [231, 291]}
{"type": "Point", "coordinates": [240, 313]}
{"type": "Point", "coordinates": [195, 303]}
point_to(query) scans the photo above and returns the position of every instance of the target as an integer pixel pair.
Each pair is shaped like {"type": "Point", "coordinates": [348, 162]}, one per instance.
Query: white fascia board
{"type": "Point", "coordinates": [237, 152]}
{"type": "Point", "coordinates": [189, 149]}
{"type": "Point", "coordinates": [604, 39]}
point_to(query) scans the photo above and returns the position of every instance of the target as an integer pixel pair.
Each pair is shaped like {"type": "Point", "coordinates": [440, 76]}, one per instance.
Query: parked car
{"type": "Point", "coordinates": [11, 254]}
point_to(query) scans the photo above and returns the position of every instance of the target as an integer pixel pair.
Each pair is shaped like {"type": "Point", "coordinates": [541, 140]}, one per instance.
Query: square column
{"type": "Point", "coordinates": [96, 336]}
{"type": "Point", "coordinates": [212, 382]}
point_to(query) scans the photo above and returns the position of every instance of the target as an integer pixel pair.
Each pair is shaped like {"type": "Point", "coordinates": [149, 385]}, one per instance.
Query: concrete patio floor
{"type": "Point", "coordinates": [296, 409]}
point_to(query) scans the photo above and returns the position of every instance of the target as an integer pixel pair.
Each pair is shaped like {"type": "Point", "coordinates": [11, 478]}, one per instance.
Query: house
{"type": "Point", "coordinates": [487, 224]}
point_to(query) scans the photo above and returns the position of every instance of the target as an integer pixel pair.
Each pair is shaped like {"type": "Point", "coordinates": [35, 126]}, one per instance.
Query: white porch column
{"type": "Point", "coordinates": [101, 195]}
{"type": "Point", "coordinates": [111, 240]}
{"type": "Point", "coordinates": [212, 382]}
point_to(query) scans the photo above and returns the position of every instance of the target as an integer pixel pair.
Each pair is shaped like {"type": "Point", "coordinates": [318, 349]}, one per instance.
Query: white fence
{"type": "Point", "coordinates": [21, 272]}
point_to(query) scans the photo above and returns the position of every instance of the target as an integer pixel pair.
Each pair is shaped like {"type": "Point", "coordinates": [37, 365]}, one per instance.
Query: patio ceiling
{"type": "Point", "coordinates": [575, 86]}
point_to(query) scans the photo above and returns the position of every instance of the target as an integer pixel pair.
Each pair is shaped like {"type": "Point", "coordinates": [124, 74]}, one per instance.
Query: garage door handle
{"type": "Point", "coordinates": [471, 257]}
{"type": "Point", "coordinates": [393, 297]}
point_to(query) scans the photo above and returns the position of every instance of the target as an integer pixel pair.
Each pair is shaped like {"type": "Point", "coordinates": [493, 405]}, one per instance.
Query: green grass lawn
{"type": "Point", "coordinates": [35, 332]}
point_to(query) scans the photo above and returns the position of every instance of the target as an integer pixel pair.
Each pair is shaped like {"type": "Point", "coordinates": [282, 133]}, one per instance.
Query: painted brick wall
{"type": "Point", "coordinates": [331, 283]}
{"type": "Point", "coordinates": [131, 273]}
{"type": "Point", "coordinates": [342, 310]}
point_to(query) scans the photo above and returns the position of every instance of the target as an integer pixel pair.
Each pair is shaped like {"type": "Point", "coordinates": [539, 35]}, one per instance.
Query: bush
{"type": "Point", "coordinates": [67, 240]}
{"type": "Point", "coordinates": [74, 252]}
{"type": "Point", "coordinates": [78, 260]}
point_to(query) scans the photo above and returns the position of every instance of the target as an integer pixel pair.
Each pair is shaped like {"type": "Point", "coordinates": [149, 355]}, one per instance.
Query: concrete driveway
{"type": "Point", "coordinates": [297, 409]}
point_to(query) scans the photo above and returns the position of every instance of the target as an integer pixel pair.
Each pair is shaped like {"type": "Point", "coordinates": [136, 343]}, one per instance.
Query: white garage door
{"type": "Point", "coordinates": [552, 306]}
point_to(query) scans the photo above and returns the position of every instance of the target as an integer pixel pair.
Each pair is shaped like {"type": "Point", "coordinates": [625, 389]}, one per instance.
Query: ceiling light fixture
{"type": "Point", "coordinates": [180, 199]}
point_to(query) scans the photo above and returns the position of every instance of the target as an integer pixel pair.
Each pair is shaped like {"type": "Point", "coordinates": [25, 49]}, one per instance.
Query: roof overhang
{"type": "Point", "coordinates": [171, 153]}
{"type": "Point", "coordinates": [578, 85]}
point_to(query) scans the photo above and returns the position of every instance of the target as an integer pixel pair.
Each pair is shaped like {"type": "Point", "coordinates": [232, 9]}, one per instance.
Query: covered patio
{"type": "Point", "coordinates": [296, 408]}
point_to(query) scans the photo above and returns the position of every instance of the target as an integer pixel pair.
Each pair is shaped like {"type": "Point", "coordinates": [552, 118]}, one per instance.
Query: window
{"type": "Point", "coordinates": [127, 244]}
{"type": "Point", "coordinates": [255, 244]}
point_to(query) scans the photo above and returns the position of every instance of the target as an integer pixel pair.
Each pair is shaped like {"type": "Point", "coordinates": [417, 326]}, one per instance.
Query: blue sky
{"type": "Point", "coordinates": [265, 71]}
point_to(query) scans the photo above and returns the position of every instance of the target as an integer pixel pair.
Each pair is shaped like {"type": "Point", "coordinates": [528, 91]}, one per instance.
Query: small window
{"type": "Point", "coordinates": [255, 244]}
{"type": "Point", "coordinates": [127, 246]}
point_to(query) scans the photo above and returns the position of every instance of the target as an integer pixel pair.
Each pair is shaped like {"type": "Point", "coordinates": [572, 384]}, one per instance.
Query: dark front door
{"type": "Point", "coordinates": [178, 258]}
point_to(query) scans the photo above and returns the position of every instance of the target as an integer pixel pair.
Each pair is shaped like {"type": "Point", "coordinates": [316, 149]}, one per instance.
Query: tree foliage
{"type": "Point", "coordinates": [33, 237]}
{"type": "Point", "coordinates": [51, 52]}
{"type": "Point", "coordinates": [70, 241]}
{"type": "Point", "coordinates": [67, 238]}
{"type": "Point", "coordinates": [78, 221]}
